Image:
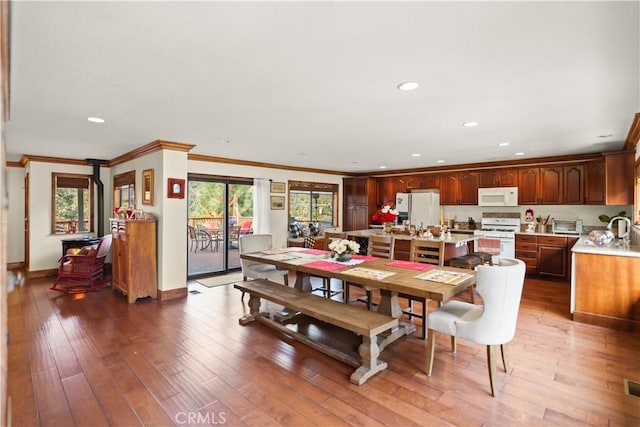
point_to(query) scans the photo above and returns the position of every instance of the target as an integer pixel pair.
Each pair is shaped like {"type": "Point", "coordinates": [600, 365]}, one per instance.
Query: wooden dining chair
{"type": "Point", "coordinates": [428, 252]}
{"type": "Point", "coordinates": [381, 246]}
{"type": "Point", "coordinates": [325, 288]}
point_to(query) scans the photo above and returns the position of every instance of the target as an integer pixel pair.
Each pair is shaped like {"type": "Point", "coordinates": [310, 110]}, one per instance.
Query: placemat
{"type": "Point", "coordinates": [364, 257]}
{"type": "Point", "coordinates": [314, 252]}
{"type": "Point", "coordinates": [325, 265]}
{"type": "Point", "coordinates": [420, 266]}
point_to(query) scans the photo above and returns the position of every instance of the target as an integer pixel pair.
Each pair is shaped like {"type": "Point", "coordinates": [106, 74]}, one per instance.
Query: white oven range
{"type": "Point", "coordinates": [503, 227]}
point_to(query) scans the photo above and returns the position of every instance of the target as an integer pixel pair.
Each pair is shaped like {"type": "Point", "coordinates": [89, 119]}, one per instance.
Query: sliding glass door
{"type": "Point", "coordinates": [220, 211]}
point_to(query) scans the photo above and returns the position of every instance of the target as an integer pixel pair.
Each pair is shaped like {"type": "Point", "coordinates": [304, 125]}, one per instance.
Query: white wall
{"type": "Point", "coordinates": [279, 218]}
{"type": "Point", "coordinates": [44, 247]}
{"type": "Point", "coordinates": [15, 220]}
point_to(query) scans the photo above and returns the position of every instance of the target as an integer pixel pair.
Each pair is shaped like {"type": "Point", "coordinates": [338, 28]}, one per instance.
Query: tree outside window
{"type": "Point", "coordinates": [313, 202]}
{"type": "Point", "coordinates": [72, 203]}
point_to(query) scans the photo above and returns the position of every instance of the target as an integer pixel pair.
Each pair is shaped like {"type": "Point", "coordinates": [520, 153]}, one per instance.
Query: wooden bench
{"type": "Point", "coordinates": [365, 323]}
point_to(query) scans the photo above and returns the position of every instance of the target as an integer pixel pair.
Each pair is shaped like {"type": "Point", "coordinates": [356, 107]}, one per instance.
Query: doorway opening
{"type": "Point", "coordinates": [220, 210]}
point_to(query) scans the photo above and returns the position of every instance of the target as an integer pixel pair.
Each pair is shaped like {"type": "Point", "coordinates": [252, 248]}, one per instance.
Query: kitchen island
{"type": "Point", "coordinates": [605, 285]}
{"type": "Point", "coordinates": [456, 245]}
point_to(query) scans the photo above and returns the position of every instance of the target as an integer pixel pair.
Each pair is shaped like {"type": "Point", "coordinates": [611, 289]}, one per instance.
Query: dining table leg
{"type": "Point", "coordinates": [389, 305]}
{"type": "Point", "coordinates": [303, 284]}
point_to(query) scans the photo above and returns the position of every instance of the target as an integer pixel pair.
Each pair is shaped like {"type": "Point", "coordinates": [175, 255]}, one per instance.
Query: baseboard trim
{"type": "Point", "coordinates": [172, 294]}
{"type": "Point", "coordinates": [15, 265]}
{"type": "Point", "coordinates": [38, 274]}
{"type": "Point", "coordinates": [627, 325]}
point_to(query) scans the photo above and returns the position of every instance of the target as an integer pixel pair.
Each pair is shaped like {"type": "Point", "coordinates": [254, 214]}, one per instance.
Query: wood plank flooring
{"type": "Point", "coordinates": [92, 360]}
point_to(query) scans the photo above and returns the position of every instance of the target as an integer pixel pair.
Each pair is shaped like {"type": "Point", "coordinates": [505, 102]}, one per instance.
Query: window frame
{"type": "Point", "coordinates": [123, 180]}
{"type": "Point", "coordinates": [314, 187]}
{"type": "Point", "coordinates": [55, 176]}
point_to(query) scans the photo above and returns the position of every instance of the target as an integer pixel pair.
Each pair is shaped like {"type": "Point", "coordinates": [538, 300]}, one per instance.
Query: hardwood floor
{"type": "Point", "coordinates": [93, 359]}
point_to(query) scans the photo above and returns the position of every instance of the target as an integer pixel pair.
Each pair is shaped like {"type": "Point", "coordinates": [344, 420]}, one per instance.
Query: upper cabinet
{"type": "Point", "coordinates": [547, 186]}
{"type": "Point", "coordinates": [459, 188]}
{"type": "Point", "coordinates": [618, 179]}
{"type": "Point", "coordinates": [573, 177]}
{"type": "Point", "coordinates": [499, 178]}
{"type": "Point", "coordinates": [591, 180]}
{"type": "Point", "coordinates": [594, 183]}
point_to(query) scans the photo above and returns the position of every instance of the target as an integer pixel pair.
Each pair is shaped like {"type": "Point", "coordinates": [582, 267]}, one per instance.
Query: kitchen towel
{"type": "Point", "coordinates": [490, 246]}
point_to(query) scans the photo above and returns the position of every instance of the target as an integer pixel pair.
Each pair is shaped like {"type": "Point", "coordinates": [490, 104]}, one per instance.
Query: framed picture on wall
{"type": "Point", "coordinates": [147, 187]}
{"type": "Point", "coordinates": [277, 187]}
{"type": "Point", "coordinates": [277, 202]}
{"type": "Point", "coordinates": [175, 188]}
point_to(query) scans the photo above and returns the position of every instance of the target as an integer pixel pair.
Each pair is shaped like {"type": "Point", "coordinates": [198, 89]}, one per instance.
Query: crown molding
{"type": "Point", "coordinates": [149, 148]}
{"type": "Point", "coordinates": [26, 158]}
{"type": "Point", "coordinates": [634, 134]}
{"type": "Point", "coordinates": [213, 159]}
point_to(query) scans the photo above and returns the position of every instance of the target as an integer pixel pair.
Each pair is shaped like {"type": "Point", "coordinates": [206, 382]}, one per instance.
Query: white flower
{"type": "Point", "coordinates": [339, 247]}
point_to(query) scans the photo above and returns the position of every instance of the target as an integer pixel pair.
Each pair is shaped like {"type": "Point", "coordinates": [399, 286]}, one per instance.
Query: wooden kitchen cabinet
{"type": "Point", "coordinates": [134, 259]}
{"type": "Point", "coordinates": [618, 180]}
{"type": "Point", "coordinates": [527, 251]}
{"type": "Point", "coordinates": [459, 188]}
{"type": "Point", "coordinates": [610, 181]}
{"type": "Point", "coordinates": [594, 183]}
{"type": "Point", "coordinates": [573, 185]}
{"type": "Point", "coordinates": [499, 178]}
{"type": "Point", "coordinates": [528, 186]}
{"type": "Point", "coordinates": [359, 202]}
{"type": "Point", "coordinates": [552, 256]}
{"type": "Point", "coordinates": [540, 185]}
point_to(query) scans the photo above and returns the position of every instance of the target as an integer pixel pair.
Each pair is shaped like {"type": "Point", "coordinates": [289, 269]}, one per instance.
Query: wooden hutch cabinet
{"type": "Point", "coordinates": [359, 202]}
{"type": "Point", "coordinates": [134, 260]}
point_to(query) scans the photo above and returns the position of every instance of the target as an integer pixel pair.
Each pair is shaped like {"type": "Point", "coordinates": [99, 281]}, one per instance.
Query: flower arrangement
{"type": "Point", "coordinates": [342, 249]}
{"type": "Point", "coordinates": [386, 213]}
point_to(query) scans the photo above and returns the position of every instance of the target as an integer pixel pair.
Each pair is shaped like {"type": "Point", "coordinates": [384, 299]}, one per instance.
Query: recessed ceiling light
{"type": "Point", "coordinates": [439, 161]}
{"type": "Point", "coordinates": [470, 124]}
{"type": "Point", "coordinates": [408, 86]}
{"type": "Point", "coordinates": [519, 153]}
{"type": "Point", "coordinates": [605, 136]}
{"type": "Point", "coordinates": [383, 167]}
{"type": "Point", "coordinates": [95, 119]}
{"type": "Point", "coordinates": [416, 155]}
{"type": "Point", "coordinates": [503, 144]}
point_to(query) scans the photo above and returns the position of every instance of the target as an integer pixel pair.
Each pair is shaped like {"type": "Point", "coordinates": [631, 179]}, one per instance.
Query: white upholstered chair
{"type": "Point", "coordinates": [249, 243]}
{"type": "Point", "coordinates": [493, 324]}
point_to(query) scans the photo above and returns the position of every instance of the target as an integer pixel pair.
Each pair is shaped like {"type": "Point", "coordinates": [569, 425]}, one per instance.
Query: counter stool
{"type": "Point", "coordinates": [469, 262]}
{"type": "Point", "coordinates": [486, 257]}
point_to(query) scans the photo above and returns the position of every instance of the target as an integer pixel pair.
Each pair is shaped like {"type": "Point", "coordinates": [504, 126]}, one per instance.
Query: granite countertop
{"type": "Point", "coordinates": [535, 233]}
{"type": "Point", "coordinates": [583, 247]}
{"type": "Point", "coordinates": [455, 239]}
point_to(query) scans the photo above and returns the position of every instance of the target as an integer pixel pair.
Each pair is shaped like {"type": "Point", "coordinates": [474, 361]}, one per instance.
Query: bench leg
{"type": "Point", "coordinates": [369, 353]}
{"type": "Point", "coordinates": [254, 310]}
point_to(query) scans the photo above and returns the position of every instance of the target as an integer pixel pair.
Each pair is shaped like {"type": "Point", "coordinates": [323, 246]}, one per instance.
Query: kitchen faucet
{"type": "Point", "coordinates": [625, 236]}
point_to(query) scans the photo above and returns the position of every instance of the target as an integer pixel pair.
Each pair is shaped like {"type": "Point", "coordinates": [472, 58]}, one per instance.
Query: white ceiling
{"type": "Point", "coordinates": [313, 84]}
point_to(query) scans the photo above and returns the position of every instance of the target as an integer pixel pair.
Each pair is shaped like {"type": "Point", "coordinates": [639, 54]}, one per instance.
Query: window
{"type": "Point", "coordinates": [313, 202]}
{"type": "Point", "coordinates": [72, 203]}
{"type": "Point", "coordinates": [124, 191]}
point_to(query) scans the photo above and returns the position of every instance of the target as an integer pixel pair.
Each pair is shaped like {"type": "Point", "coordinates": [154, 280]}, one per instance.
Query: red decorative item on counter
{"type": "Point", "coordinates": [386, 213]}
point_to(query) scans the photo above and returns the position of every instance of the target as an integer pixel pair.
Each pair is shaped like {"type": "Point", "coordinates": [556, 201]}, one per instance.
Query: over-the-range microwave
{"type": "Point", "coordinates": [498, 196]}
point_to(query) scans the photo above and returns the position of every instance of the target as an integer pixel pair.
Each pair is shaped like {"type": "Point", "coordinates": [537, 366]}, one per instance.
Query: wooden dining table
{"type": "Point", "coordinates": [389, 276]}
